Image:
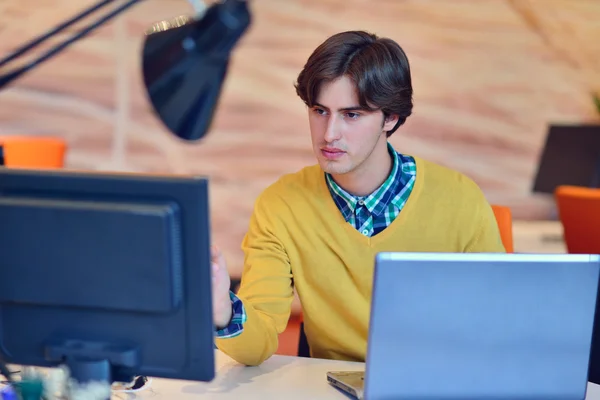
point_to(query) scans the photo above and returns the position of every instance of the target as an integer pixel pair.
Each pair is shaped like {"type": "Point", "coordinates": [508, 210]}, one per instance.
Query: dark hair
{"type": "Point", "coordinates": [377, 66]}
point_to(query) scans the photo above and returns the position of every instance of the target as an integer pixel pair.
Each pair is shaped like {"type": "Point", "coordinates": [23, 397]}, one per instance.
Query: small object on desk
{"type": "Point", "coordinates": [350, 382]}
{"type": "Point", "coordinates": [138, 384]}
{"type": "Point", "coordinates": [31, 389]}
{"type": "Point", "coordinates": [553, 238]}
{"type": "Point", "coordinates": [55, 383]}
{"type": "Point", "coordinates": [88, 391]}
{"type": "Point", "coordinates": [8, 393]}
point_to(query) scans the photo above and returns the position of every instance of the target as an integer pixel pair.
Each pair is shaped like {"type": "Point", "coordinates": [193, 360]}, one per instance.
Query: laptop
{"type": "Point", "coordinates": [478, 326]}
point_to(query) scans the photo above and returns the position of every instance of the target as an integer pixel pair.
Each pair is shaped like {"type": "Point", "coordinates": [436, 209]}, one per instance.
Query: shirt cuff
{"type": "Point", "coordinates": [238, 318]}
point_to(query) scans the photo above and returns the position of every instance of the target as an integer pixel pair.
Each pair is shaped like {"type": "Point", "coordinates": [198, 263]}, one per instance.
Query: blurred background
{"type": "Point", "coordinates": [489, 77]}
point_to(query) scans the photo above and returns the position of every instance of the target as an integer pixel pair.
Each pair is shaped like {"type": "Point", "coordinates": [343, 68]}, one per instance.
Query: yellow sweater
{"type": "Point", "coordinates": [296, 231]}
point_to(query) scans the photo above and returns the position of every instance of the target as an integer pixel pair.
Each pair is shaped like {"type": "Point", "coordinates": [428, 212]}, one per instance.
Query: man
{"type": "Point", "coordinates": [318, 230]}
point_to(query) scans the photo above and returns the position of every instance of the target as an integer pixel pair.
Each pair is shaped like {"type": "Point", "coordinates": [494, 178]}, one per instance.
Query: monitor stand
{"type": "Point", "coordinates": [84, 371]}
{"type": "Point", "coordinates": [90, 361]}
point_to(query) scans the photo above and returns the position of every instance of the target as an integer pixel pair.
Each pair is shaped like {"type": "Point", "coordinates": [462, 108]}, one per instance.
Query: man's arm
{"type": "Point", "coordinates": [487, 237]}
{"type": "Point", "coordinates": [265, 293]}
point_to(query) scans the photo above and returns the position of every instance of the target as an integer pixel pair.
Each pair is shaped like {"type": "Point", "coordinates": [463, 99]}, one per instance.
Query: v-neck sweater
{"type": "Point", "coordinates": [298, 240]}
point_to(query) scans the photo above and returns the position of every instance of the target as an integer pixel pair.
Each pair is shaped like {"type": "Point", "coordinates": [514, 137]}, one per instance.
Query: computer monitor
{"type": "Point", "coordinates": [108, 274]}
{"type": "Point", "coordinates": [571, 156]}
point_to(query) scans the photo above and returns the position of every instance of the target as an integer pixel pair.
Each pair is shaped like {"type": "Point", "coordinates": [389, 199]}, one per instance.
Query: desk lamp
{"type": "Point", "coordinates": [184, 61]}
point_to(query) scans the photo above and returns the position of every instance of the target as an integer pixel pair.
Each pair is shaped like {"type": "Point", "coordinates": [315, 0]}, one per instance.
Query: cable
{"type": "Point", "coordinates": [5, 371]}
{"type": "Point", "coordinates": [139, 383]}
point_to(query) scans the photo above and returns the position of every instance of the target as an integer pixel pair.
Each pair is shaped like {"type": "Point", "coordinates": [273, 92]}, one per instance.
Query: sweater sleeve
{"type": "Point", "coordinates": [266, 289]}
{"type": "Point", "coordinates": [487, 237]}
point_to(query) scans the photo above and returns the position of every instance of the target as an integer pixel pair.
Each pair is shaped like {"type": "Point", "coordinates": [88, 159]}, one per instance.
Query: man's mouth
{"type": "Point", "coordinates": [332, 153]}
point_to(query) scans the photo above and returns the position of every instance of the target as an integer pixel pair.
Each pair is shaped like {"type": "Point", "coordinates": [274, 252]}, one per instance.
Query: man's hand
{"type": "Point", "coordinates": [222, 309]}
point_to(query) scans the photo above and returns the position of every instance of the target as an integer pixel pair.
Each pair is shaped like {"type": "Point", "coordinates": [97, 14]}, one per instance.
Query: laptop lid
{"type": "Point", "coordinates": [481, 326]}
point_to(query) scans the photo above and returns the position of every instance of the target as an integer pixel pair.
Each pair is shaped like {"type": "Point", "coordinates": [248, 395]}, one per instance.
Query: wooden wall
{"type": "Point", "coordinates": [489, 76]}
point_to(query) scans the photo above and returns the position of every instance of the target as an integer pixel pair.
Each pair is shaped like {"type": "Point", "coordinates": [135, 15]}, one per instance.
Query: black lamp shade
{"type": "Point", "coordinates": [185, 63]}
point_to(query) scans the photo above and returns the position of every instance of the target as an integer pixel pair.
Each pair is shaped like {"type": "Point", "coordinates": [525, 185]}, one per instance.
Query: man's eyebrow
{"type": "Point", "coordinates": [352, 108]}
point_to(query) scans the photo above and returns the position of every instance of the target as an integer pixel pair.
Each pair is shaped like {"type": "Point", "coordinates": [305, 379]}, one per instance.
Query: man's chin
{"type": "Point", "coordinates": [333, 167]}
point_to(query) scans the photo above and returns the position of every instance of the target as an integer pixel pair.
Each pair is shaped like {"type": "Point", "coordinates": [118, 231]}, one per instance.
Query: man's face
{"type": "Point", "coordinates": [344, 137]}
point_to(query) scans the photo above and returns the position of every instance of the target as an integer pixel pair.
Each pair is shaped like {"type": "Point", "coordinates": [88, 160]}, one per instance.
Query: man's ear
{"type": "Point", "coordinates": [390, 122]}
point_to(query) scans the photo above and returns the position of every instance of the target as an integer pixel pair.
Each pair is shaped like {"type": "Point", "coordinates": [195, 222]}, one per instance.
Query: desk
{"type": "Point", "coordinates": [538, 237]}
{"type": "Point", "coordinates": [284, 377]}
{"type": "Point", "coordinates": [290, 378]}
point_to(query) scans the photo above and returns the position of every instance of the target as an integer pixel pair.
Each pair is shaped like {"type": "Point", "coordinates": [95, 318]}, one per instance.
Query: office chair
{"type": "Point", "coordinates": [504, 219]}
{"type": "Point", "coordinates": [35, 152]}
{"type": "Point", "coordinates": [579, 214]}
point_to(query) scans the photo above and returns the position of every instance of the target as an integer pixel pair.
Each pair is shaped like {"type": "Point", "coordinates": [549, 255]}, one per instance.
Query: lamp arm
{"type": "Point", "coordinates": [9, 77]}
{"type": "Point", "coordinates": [184, 63]}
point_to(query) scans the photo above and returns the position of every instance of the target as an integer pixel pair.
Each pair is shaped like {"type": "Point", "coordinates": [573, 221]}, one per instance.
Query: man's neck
{"type": "Point", "coordinates": [370, 176]}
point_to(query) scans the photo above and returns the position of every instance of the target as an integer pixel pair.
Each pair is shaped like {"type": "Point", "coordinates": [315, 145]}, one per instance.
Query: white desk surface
{"type": "Point", "coordinates": [279, 377]}
{"type": "Point", "coordinates": [284, 377]}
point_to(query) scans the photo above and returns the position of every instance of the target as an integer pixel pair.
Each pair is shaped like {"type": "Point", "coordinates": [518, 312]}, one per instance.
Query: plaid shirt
{"type": "Point", "coordinates": [373, 213]}
{"type": "Point", "coordinates": [236, 326]}
{"type": "Point", "coordinates": [370, 215]}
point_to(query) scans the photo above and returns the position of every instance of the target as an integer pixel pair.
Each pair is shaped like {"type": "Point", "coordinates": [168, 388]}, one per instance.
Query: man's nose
{"type": "Point", "coordinates": [333, 131]}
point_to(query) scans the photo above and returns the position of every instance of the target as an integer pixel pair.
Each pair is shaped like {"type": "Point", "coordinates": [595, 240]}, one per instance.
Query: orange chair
{"type": "Point", "coordinates": [34, 152]}
{"type": "Point", "coordinates": [579, 213]}
{"type": "Point", "coordinates": [504, 220]}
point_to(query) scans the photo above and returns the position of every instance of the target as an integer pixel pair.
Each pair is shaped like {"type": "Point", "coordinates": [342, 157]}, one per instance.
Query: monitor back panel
{"type": "Point", "coordinates": [117, 264]}
{"type": "Point", "coordinates": [571, 156]}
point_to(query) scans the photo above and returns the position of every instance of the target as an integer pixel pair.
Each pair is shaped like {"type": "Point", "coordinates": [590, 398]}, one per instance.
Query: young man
{"type": "Point", "coordinates": [318, 230]}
